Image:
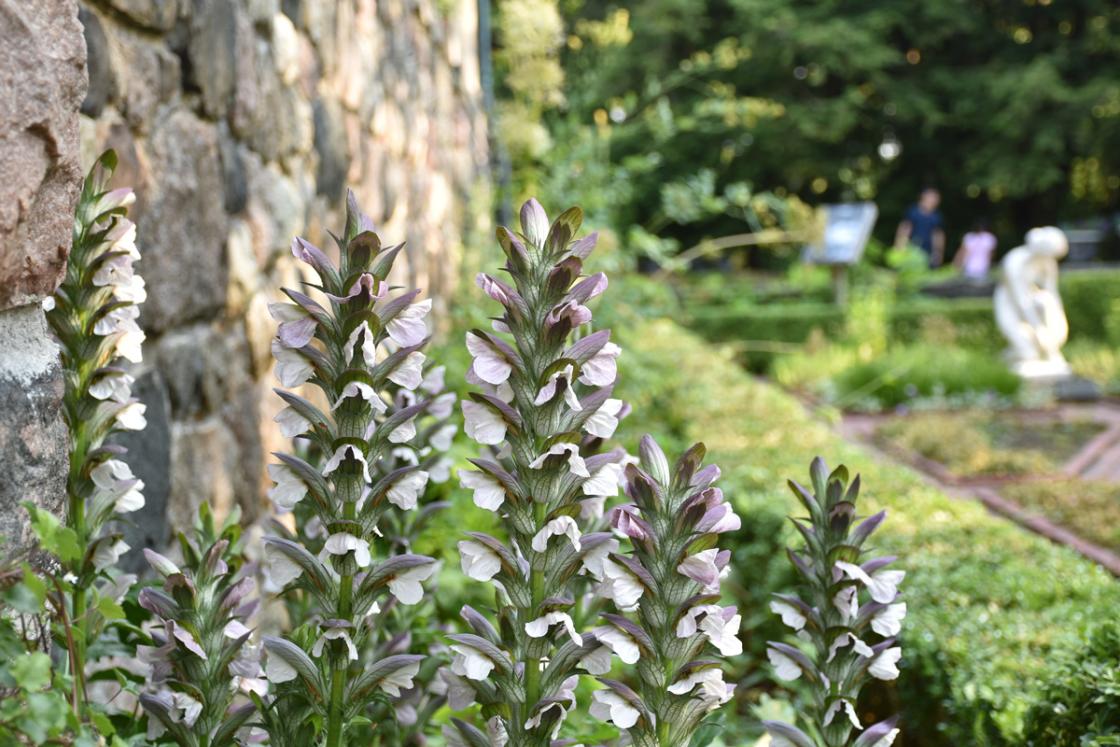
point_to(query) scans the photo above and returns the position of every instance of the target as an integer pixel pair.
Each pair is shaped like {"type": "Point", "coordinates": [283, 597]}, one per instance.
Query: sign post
{"type": "Point", "coordinates": [847, 230]}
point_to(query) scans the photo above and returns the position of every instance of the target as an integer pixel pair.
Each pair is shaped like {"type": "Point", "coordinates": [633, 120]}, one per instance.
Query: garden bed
{"type": "Point", "coordinates": [993, 606]}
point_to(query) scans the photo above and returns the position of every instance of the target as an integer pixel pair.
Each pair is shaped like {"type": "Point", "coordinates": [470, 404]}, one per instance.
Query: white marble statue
{"type": "Point", "coordinates": [1028, 307]}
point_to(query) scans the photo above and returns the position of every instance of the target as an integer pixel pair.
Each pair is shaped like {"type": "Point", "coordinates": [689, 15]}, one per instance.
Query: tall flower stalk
{"type": "Point", "coordinates": [358, 339]}
{"type": "Point", "coordinates": [93, 315]}
{"type": "Point", "coordinates": [849, 601]}
{"type": "Point", "coordinates": [666, 594]}
{"type": "Point", "coordinates": [203, 666]}
{"type": "Point", "coordinates": [544, 398]}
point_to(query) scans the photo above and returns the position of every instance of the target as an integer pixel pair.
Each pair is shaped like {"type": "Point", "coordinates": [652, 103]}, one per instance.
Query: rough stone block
{"type": "Point", "coordinates": [33, 437]}
{"type": "Point", "coordinates": [43, 80]}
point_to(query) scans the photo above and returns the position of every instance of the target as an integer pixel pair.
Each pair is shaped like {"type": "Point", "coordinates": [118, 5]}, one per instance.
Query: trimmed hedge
{"type": "Point", "coordinates": [991, 605]}
{"type": "Point", "coordinates": [1090, 299]}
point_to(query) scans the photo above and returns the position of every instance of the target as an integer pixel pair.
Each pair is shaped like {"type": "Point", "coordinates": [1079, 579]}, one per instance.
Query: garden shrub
{"type": "Point", "coordinates": [991, 605]}
{"type": "Point", "coordinates": [924, 371]}
{"type": "Point", "coordinates": [1080, 706]}
{"type": "Point", "coordinates": [1089, 298]}
{"type": "Point", "coordinates": [1089, 508]}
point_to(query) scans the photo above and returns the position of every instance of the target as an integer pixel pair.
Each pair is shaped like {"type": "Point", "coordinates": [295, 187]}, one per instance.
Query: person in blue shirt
{"type": "Point", "coordinates": [922, 226]}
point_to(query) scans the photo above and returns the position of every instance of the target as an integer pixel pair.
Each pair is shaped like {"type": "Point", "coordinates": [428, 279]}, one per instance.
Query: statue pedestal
{"type": "Point", "coordinates": [1043, 371]}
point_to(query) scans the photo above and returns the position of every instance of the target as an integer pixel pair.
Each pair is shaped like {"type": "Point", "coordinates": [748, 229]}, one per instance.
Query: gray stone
{"type": "Point", "coordinates": [182, 231]}
{"type": "Point", "coordinates": [33, 436]}
{"type": "Point", "coordinates": [43, 80]}
{"type": "Point", "coordinates": [234, 179]}
{"type": "Point", "coordinates": [330, 144]}
{"type": "Point", "coordinates": [213, 53]}
{"type": "Point", "coordinates": [146, 74]}
{"type": "Point", "coordinates": [1076, 389]}
{"type": "Point", "coordinates": [102, 85]}
{"type": "Point", "coordinates": [159, 15]}
{"type": "Point", "coordinates": [149, 456]}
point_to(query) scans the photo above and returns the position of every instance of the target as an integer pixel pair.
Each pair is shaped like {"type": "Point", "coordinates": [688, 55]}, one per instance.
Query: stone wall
{"type": "Point", "coordinates": [239, 123]}
{"type": "Point", "coordinates": [42, 80]}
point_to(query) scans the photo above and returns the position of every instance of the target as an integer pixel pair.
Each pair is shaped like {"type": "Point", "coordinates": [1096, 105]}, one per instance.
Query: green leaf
{"type": "Point", "coordinates": [109, 609]}
{"type": "Point", "coordinates": [32, 671]}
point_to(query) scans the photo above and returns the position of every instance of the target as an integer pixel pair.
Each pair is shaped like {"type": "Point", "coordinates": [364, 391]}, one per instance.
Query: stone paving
{"type": "Point", "coordinates": [1097, 459]}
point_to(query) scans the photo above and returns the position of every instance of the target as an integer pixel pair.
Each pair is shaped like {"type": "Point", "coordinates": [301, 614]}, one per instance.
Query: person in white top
{"type": "Point", "coordinates": [974, 257]}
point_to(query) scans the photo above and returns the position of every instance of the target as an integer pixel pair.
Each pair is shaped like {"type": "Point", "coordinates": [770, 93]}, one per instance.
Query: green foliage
{"type": "Point", "coordinates": [991, 605]}
{"type": "Point", "coordinates": [1090, 508]}
{"type": "Point", "coordinates": [1080, 706]}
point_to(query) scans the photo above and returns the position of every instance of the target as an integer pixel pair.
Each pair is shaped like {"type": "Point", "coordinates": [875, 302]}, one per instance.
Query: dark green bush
{"type": "Point", "coordinates": [1090, 299]}
{"type": "Point", "coordinates": [1080, 705]}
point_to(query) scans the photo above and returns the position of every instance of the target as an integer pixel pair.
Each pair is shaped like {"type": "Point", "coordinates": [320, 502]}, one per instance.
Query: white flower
{"type": "Point", "coordinates": [602, 368]}
{"type": "Point", "coordinates": [277, 670]}
{"type": "Point", "coordinates": [604, 421]}
{"type": "Point", "coordinates": [114, 478]}
{"type": "Point", "coordinates": [471, 663]}
{"type": "Point", "coordinates": [592, 508]}
{"type": "Point", "coordinates": [884, 666]}
{"type": "Point", "coordinates": [131, 417]}
{"type": "Point", "coordinates": [404, 432]}
{"type": "Point", "coordinates": [887, 622]}
{"type": "Point", "coordinates": [405, 492]}
{"type": "Point", "coordinates": [433, 382]}
{"type": "Point", "coordinates": [341, 543]}
{"type": "Point", "coordinates": [479, 561]}
{"type": "Point", "coordinates": [406, 586]}
{"type": "Point", "coordinates": [366, 392]}
{"type": "Point", "coordinates": [409, 372]}
{"type": "Point", "coordinates": [49, 303]}
{"type": "Point", "coordinates": [723, 632]}
{"type": "Point", "coordinates": [576, 465]}
{"type": "Point", "coordinates": [882, 585]}
{"type": "Point", "coordinates": [291, 423]}
{"type": "Point", "coordinates": [604, 482]}
{"type": "Point", "coordinates": [408, 328]}
{"type": "Point", "coordinates": [539, 627]}
{"type": "Point", "coordinates": [548, 391]}
{"type": "Point", "coordinates": [234, 629]}
{"type": "Point", "coordinates": [565, 693]}
{"type": "Point", "coordinates": [292, 369]}
{"type": "Point", "coordinates": [488, 492]}
{"type": "Point", "coordinates": [439, 471]}
{"type": "Point", "coordinates": [784, 667]}
{"type": "Point", "coordinates": [704, 569]}
{"type": "Point", "coordinates": [340, 454]}
{"type": "Point", "coordinates": [282, 570]}
{"type": "Point", "coordinates": [335, 634]}
{"type": "Point", "coordinates": [289, 489]}
{"type": "Point", "coordinates": [622, 643]}
{"type": "Point", "coordinates": [598, 661]}
{"type": "Point", "coordinates": [593, 559]}
{"type": "Point", "coordinates": [483, 424]}
{"type": "Point", "coordinates": [843, 640]}
{"type": "Point", "coordinates": [107, 554]}
{"type": "Point", "coordinates": [621, 585]}
{"type": "Point", "coordinates": [561, 525]}
{"type": "Point", "coordinates": [113, 385]}
{"type": "Point", "coordinates": [842, 704]}
{"type": "Point", "coordinates": [133, 291]}
{"type": "Point", "coordinates": [399, 679]}
{"type": "Point", "coordinates": [846, 602]}
{"type": "Point", "coordinates": [608, 706]}
{"type": "Point", "coordinates": [791, 616]}
{"type": "Point", "coordinates": [714, 692]}
{"type": "Point", "coordinates": [368, 343]}
{"type": "Point", "coordinates": [488, 364]}
{"type": "Point", "coordinates": [442, 405]}
{"type": "Point", "coordinates": [443, 436]}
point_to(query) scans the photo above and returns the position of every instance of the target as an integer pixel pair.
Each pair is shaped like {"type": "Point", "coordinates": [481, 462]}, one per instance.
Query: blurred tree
{"type": "Point", "coordinates": [676, 112]}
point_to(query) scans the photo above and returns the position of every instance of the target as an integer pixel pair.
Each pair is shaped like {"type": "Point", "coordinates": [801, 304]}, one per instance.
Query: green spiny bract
{"type": "Point", "coordinates": [831, 621]}
{"type": "Point", "coordinates": [353, 343]}
{"type": "Point", "coordinates": [203, 666]}
{"type": "Point", "coordinates": [545, 402]}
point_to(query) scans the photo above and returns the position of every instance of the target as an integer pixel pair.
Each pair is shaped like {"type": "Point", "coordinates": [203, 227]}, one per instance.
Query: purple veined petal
{"type": "Point", "coordinates": [534, 223]}
{"type": "Point", "coordinates": [589, 288]}
{"type": "Point", "coordinates": [574, 312]}
{"type": "Point", "coordinates": [786, 735]}
{"type": "Point", "coordinates": [584, 246]}
{"type": "Point", "coordinates": [366, 286]}
{"type": "Point", "coordinates": [298, 333]}
{"type": "Point", "coordinates": [307, 252]}
{"type": "Point", "coordinates": [494, 288]}
{"type": "Point", "coordinates": [628, 521]}
{"type": "Point", "coordinates": [408, 327]}
{"type": "Point", "coordinates": [881, 734]}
